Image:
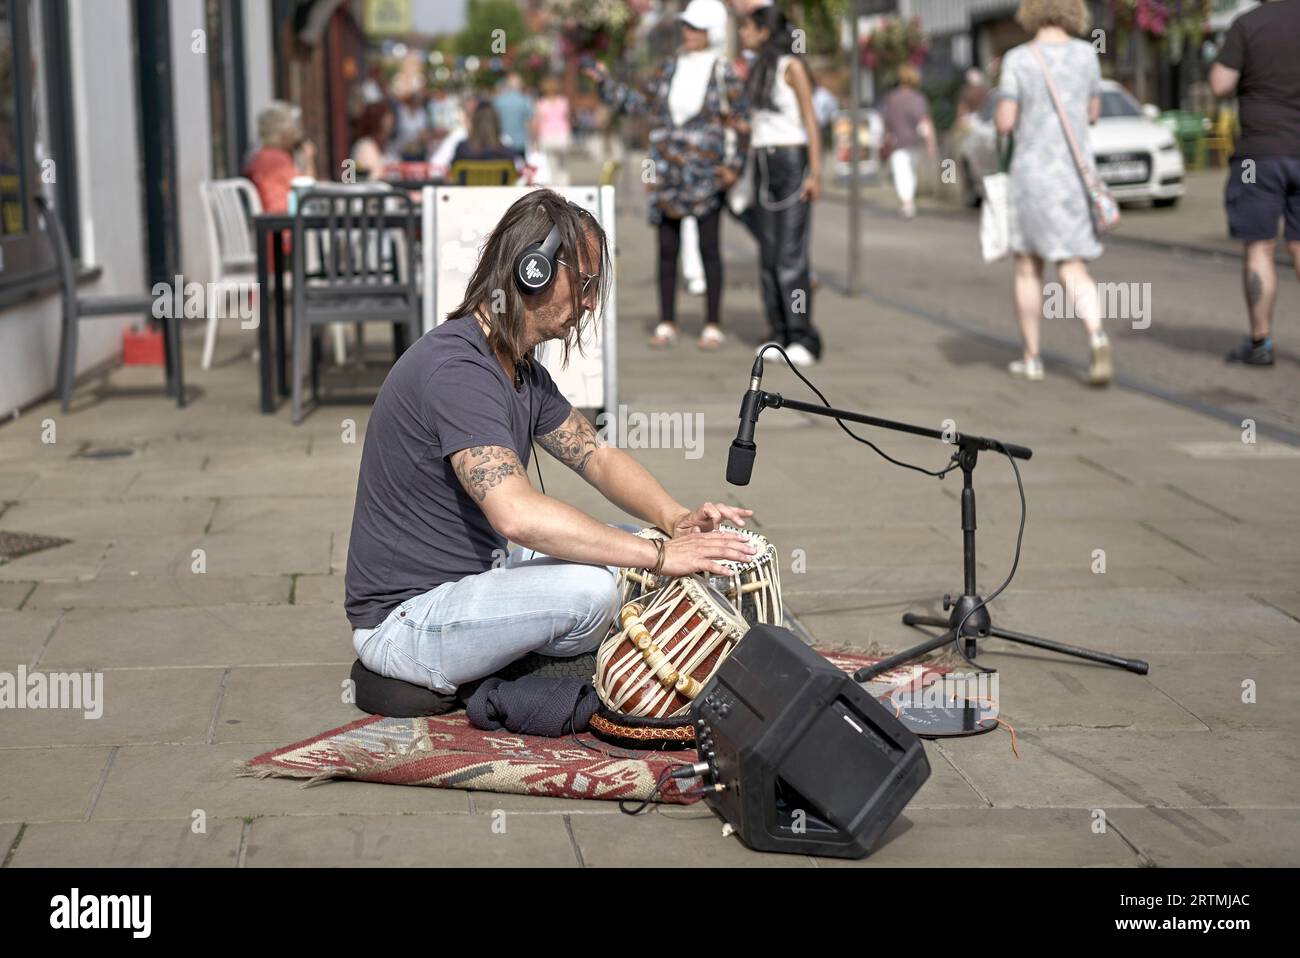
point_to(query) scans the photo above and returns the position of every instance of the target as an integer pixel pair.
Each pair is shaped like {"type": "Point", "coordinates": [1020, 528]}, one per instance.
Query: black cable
{"type": "Point", "coordinates": [880, 452]}
{"type": "Point", "coordinates": [1020, 534]}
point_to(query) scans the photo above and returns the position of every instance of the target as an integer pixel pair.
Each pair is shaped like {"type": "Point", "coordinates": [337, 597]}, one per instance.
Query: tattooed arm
{"type": "Point", "coordinates": [619, 478]}
{"type": "Point", "coordinates": [495, 479]}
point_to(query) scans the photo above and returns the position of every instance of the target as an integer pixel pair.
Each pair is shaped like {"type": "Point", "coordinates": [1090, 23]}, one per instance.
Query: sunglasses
{"type": "Point", "coordinates": [587, 278]}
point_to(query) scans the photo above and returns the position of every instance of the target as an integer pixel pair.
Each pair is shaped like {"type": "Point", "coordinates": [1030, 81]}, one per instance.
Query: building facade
{"type": "Point", "coordinates": [124, 107]}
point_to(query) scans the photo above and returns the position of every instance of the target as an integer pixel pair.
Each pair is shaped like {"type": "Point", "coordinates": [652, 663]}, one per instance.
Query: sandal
{"type": "Point", "coordinates": [665, 335]}
{"type": "Point", "coordinates": [711, 337]}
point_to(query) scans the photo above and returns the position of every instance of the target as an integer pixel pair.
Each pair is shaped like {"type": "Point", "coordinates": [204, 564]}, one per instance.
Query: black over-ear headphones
{"type": "Point", "coordinates": [535, 266]}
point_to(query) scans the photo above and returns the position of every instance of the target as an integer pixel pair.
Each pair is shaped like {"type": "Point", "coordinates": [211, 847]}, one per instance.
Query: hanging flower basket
{"type": "Point", "coordinates": [893, 43]}
{"type": "Point", "coordinates": [592, 27]}
{"type": "Point", "coordinates": [1171, 24]}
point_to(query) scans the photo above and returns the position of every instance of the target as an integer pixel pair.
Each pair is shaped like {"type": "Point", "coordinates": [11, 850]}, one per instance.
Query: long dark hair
{"type": "Point", "coordinates": [485, 128]}
{"type": "Point", "coordinates": [492, 287]}
{"type": "Point", "coordinates": [780, 42]}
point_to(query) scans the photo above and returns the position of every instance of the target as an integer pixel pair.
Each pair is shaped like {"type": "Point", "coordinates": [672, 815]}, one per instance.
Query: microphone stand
{"type": "Point", "coordinates": [973, 625]}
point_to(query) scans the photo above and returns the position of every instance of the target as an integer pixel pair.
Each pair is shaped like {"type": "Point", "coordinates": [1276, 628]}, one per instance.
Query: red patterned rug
{"type": "Point", "coordinates": [445, 751]}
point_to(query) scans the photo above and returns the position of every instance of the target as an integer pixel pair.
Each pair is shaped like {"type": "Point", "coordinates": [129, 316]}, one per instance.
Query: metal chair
{"type": "Point", "coordinates": [228, 208]}
{"type": "Point", "coordinates": [483, 173]}
{"type": "Point", "coordinates": [368, 269]}
{"type": "Point", "coordinates": [77, 308]}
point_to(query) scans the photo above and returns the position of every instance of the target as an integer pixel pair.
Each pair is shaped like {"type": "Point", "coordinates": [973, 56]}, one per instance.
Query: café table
{"type": "Point", "coordinates": [273, 232]}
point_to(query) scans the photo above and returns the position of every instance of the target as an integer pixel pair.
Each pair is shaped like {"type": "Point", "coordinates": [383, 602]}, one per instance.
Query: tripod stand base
{"type": "Point", "coordinates": [980, 626]}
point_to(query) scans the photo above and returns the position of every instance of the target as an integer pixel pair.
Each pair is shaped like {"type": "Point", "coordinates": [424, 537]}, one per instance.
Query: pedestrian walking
{"type": "Point", "coordinates": [907, 126]}
{"type": "Point", "coordinates": [516, 110]}
{"type": "Point", "coordinates": [1051, 212]}
{"type": "Point", "coordinates": [692, 98]}
{"type": "Point", "coordinates": [554, 128]}
{"type": "Point", "coordinates": [1260, 63]}
{"type": "Point", "coordinates": [786, 143]}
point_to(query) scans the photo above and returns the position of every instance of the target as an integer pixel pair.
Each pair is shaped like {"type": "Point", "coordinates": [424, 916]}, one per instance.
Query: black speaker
{"type": "Point", "coordinates": [800, 757]}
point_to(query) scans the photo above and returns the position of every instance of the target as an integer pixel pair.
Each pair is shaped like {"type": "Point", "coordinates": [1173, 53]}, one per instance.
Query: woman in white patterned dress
{"type": "Point", "coordinates": [1051, 218]}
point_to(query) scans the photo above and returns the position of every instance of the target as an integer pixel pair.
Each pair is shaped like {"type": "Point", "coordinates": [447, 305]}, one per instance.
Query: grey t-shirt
{"type": "Point", "coordinates": [413, 526]}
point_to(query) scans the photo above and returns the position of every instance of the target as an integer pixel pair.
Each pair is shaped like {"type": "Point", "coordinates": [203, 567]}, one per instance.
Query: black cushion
{"type": "Point", "coordinates": [393, 697]}
{"type": "Point", "coordinates": [397, 699]}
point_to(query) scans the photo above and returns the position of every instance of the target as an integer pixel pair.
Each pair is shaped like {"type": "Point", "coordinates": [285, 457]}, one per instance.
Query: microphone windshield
{"type": "Point", "coordinates": [740, 463]}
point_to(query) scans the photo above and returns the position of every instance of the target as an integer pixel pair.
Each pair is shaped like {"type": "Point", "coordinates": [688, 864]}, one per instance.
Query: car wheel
{"type": "Point", "coordinates": [1166, 202]}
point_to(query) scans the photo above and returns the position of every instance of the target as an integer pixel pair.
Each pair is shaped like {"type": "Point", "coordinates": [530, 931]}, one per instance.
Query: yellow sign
{"type": "Point", "coordinates": [388, 17]}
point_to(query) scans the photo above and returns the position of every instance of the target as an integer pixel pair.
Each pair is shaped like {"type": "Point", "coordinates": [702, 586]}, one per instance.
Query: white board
{"type": "Point", "coordinates": [459, 219]}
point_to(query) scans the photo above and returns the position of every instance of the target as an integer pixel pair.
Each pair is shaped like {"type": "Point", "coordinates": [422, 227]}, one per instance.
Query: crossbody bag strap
{"type": "Point", "coordinates": [724, 106]}
{"type": "Point", "coordinates": [1060, 112]}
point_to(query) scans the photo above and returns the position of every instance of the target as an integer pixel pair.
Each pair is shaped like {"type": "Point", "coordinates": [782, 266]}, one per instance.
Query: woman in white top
{"type": "Point", "coordinates": [787, 172]}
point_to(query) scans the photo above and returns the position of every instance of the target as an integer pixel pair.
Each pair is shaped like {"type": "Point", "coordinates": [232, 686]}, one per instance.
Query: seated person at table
{"type": "Point", "coordinates": [431, 593]}
{"type": "Point", "coordinates": [484, 139]}
{"type": "Point", "coordinates": [372, 153]}
{"type": "Point", "coordinates": [284, 154]}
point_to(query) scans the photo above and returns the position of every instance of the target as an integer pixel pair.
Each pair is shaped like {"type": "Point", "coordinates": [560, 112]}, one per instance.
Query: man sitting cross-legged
{"type": "Point", "coordinates": [444, 484]}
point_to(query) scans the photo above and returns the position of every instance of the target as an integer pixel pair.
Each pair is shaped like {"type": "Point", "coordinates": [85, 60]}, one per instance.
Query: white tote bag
{"type": "Point", "coordinates": [995, 217]}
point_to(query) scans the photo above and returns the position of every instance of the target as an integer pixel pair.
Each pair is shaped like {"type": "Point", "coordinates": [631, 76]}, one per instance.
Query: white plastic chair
{"type": "Point", "coordinates": [228, 208]}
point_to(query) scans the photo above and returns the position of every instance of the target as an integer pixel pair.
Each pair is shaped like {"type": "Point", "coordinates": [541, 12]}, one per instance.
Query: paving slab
{"type": "Point", "coordinates": [685, 839]}
{"type": "Point", "coordinates": [1139, 622]}
{"type": "Point", "coordinates": [161, 592]}
{"type": "Point", "coordinates": [138, 705]}
{"type": "Point", "coordinates": [1039, 690]}
{"type": "Point", "coordinates": [217, 635]}
{"type": "Point", "coordinates": [1231, 691]}
{"type": "Point", "coordinates": [423, 841]}
{"type": "Point", "coordinates": [50, 784]}
{"type": "Point", "coordinates": [232, 554]}
{"type": "Point", "coordinates": [267, 516]}
{"type": "Point", "coordinates": [318, 590]}
{"type": "Point", "coordinates": [1097, 769]}
{"type": "Point", "coordinates": [13, 595]}
{"type": "Point", "coordinates": [23, 635]}
{"type": "Point", "coordinates": [129, 845]}
{"type": "Point", "coordinates": [283, 703]}
{"type": "Point", "coordinates": [272, 479]}
{"type": "Point", "coordinates": [72, 562]}
{"type": "Point", "coordinates": [172, 781]}
{"type": "Point", "coordinates": [89, 518]}
{"type": "Point", "coordinates": [8, 833]}
{"type": "Point", "coordinates": [1211, 837]}
{"type": "Point", "coordinates": [997, 837]}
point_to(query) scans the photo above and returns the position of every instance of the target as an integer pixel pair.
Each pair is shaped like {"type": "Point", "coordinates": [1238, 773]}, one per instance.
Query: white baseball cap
{"type": "Point", "coordinates": [707, 15]}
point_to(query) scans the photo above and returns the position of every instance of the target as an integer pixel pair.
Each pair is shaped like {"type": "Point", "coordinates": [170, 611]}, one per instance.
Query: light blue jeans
{"type": "Point", "coordinates": [468, 629]}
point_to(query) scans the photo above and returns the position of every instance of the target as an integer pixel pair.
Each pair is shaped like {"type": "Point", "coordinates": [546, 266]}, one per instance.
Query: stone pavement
{"type": "Point", "coordinates": [1194, 764]}
{"type": "Point", "coordinates": [1197, 222]}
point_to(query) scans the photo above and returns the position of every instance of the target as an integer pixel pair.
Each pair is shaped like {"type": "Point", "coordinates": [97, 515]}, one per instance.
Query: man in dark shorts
{"type": "Point", "coordinates": [1260, 63]}
{"type": "Point", "coordinates": [433, 595]}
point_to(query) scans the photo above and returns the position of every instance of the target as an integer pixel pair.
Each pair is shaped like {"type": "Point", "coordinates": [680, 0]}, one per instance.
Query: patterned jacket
{"type": "Point", "coordinates": [684, 156]}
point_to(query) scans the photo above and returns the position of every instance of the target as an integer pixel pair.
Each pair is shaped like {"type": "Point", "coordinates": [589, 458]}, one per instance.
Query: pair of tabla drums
{"type": "Point", "coordinates": [669, 638]}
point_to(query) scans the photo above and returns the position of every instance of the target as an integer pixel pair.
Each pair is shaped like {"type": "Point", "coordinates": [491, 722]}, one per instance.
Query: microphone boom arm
{"type": "Point", "coordinates": [768, 400]}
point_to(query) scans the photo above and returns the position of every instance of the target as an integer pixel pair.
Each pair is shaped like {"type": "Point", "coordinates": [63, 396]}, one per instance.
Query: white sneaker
{"type": "Point", "coordinates": [799, 355]}
{"type": "Point", "coordinates": [696, 287]}
{"type": "Point", "coordinates": [1030, 369]}
{"type": "Point", "coordinates": [1102, 367]}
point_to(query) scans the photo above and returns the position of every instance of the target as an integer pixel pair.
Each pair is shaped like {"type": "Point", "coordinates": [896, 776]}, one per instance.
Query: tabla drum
{"type": "Point", "coordinates": [754, 588]}
{"type": "Point", "coordinates": [656, 659]}
{"type": "Point", "coordinates": [634, 584]}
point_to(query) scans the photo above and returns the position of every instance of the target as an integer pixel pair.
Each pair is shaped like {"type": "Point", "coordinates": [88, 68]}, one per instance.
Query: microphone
{"type": "Point", "coordinates": [740, 460]}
